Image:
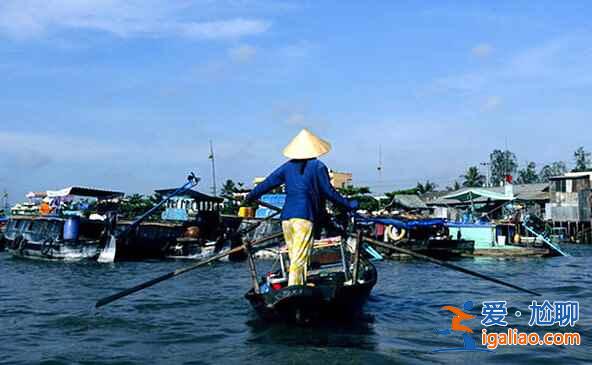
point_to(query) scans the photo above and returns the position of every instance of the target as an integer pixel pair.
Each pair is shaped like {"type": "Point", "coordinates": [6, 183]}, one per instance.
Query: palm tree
{"type": "Point", "coordinates": [473, 178]}
{"type": "Point", "coordinates": [229, 188]}
{"type": "Point", "coordinates": [428, 187]}
{"type": "Point", "coordinates": [455, 186]}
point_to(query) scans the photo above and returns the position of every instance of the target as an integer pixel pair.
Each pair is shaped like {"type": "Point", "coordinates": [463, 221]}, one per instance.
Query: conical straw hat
{"type": "Point", "coordinates": [306, 145]}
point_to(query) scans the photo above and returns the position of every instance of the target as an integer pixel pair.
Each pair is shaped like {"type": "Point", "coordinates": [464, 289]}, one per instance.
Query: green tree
{"type": "Point", "coordinates": [455, 186]}
{"type": "Point", "coordinates": [228, 188]}
{"type": "Point", "coordinates": [427, 187]}
{"type": "Point", "coordinates": [502, 163]}
{"type": "Point", "coordinates": [528, 175]}
{"type": "Point", "coordinates": [352, 191]}
{"type": "Point", "coordinates": [362, 195]}
{"type": "Point", "coordinates": [135, 205]}
{"type": "Point", "coordinates": [557, 168]}
{"type": "Point", "coordinates": [410, 191]}
{"type": "Point", "coordinates": [230, 206]}
{"type": "Point", "coordinates": [472, 178]}
{"type": "Point", "coordinates": [582, 158]}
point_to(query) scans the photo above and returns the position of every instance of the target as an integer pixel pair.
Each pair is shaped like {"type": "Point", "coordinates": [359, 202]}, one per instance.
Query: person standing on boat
{"type": "Point", "coordinates": [307, 185]}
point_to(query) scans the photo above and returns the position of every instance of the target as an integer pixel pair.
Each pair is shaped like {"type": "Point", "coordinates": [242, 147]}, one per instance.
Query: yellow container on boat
{"type": "Point", "coordinates": [246, 212]}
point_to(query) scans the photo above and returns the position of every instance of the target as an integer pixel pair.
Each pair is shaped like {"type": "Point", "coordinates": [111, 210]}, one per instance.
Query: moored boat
{"type": "Point", "coordinates": [67, 224]}
{"type": "Point", "coordinates": [54, 238]}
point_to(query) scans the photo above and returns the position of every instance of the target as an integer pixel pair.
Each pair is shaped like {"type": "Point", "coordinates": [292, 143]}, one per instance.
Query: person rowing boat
{"type": "Point", "coordinates": [307, 186]}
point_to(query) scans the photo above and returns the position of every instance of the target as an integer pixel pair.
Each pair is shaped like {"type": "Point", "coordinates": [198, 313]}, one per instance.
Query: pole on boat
{"type": "Point", "coordinates": [252, 267]}
{"type": "Point", "coordinates": [108, 253]}
{"type": "Point", "coordinates": [448, 265]}
{"type": "Point", "coordinates": [256, 245]}
{"type": "Point", "coordinates": [212, 158]}
{"type": "Point", "coordinates": [358, 245]}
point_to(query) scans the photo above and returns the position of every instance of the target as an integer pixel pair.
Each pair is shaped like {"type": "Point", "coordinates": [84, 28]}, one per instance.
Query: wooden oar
{"type": "Point", "coordinates": [254, 246]}
{"type": "Point", "coordinates": [447, 264]}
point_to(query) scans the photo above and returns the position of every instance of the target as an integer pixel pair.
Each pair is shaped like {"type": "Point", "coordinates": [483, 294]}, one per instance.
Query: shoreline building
{"type": "Point", "coordinates": [570, 205]}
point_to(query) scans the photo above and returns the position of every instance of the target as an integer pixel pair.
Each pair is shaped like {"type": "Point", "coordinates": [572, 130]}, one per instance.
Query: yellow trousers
{"type": "Point", "coordinates": [298, 234]}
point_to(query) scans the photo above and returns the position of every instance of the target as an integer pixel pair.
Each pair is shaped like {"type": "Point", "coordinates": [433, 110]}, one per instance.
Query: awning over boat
{"type": "Point", "coordinates": [82, 191]}
{"type": "Point", "coordinates": [474, 193]}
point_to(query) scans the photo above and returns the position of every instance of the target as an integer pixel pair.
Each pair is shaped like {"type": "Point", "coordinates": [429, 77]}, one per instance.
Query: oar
{"type": "Point", "coordinates": [255, 246]}
{"type": "Point", "coordinates": [448, 265]}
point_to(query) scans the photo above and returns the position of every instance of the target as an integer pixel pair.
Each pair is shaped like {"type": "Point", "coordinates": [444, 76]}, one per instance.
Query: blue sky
{"type": "Point", "coordinates": [126, 94]}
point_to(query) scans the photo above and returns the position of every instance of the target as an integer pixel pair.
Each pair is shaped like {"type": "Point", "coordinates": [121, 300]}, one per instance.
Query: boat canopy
{"type": "Point", "coordinates": [474, 193]}
{"type": "Point", "coordinates": [82, 191]}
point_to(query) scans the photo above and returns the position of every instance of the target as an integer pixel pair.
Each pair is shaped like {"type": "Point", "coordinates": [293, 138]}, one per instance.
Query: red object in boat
{"type": "Point", "coordinates": [379, 229]}
{"type": "Point", "coordinates": [276, 286]}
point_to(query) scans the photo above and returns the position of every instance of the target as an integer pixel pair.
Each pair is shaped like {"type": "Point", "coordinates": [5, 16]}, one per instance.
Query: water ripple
{"type": "Point", "coordinates": [47, 314]}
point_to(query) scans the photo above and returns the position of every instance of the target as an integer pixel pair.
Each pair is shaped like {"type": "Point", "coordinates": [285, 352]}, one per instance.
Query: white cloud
{"type": "Point", "coordinates": [235, 28]}
{"type": "Point", "coordinates": [482, 50]}
{"type": "Point", "coordinates": [24, 19]}
{"type": "Point", "coordinates": [242, 53]}
{"type": "Point", "coordinates": [561, 62]}
{"type": "Point", "coordinates": [492, 103]}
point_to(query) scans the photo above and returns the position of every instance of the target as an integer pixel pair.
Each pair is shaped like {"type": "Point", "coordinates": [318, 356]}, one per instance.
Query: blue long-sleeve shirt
{"type": "Point", "coordinates": [306, 190]}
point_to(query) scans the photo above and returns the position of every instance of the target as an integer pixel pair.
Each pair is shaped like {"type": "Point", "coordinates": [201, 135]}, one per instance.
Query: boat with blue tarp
{"type": "Point", "coordinates": [429, 236]}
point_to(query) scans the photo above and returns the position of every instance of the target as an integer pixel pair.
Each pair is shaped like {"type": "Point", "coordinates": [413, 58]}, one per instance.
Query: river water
{"type": "Point", "coordinates": [47, 315]}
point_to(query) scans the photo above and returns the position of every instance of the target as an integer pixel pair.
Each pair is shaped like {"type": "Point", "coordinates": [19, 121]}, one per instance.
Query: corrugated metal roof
{"type": "Point", "coordinates": [85, 191]}
{"type": "Point", "coordinates": [573, 175]}
{"type": "Point", "coordinates": [409, 201]}
{"type": "Point", "coordinates": [539, 192]}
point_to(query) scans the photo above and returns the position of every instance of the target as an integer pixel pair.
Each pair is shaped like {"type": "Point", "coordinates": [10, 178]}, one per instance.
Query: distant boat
{"type": "Point", "coordinates": [43, 238]}
{"type": "Point", "coordinates": [55, 233]}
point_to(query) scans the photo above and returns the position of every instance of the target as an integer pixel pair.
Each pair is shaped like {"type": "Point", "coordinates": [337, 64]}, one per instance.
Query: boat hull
{"type": "Point", "coordinates": [55, 251]}
{"type": "Point", "coordinates": [304, 304]}
{"type": "Point", "coordinates": [327, 296]}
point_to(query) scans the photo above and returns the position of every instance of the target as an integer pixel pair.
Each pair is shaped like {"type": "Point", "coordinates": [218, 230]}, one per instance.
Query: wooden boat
{"type": "Point", "coordinates": [339, 280]}
{"type": "Point", "coordinates": [43, 238]}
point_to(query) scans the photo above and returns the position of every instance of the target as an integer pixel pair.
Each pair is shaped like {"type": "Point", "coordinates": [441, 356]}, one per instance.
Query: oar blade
{"type": "Point", "coordinates": [108, 253]}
